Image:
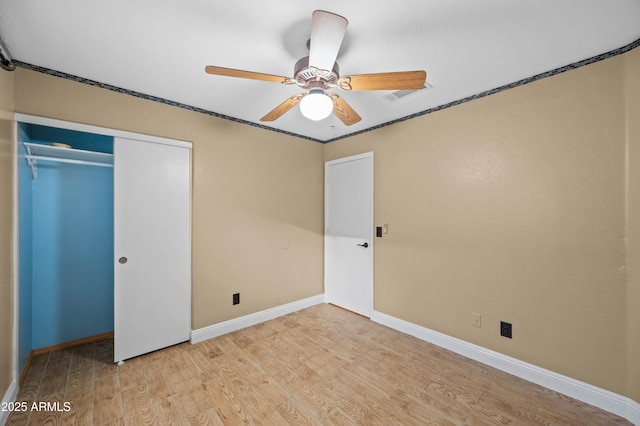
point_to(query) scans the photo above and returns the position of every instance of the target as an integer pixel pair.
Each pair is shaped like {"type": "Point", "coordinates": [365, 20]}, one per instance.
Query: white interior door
{"type": "Point", "coordinates": [349, 233]}
{"type": "Point", "coordinates": [152, 246]}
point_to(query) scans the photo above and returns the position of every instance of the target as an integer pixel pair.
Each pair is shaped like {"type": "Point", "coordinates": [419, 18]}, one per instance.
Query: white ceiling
{"type": "Point", "coordinates": [160, 48]}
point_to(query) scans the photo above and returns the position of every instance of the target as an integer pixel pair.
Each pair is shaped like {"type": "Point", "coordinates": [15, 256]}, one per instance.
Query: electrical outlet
{"type": "Point", "coordinates": [236, 298]}
{"type": "Point", "coordinates": [476, 320]}
{"type": "Point", "coordinates": [505, 329]}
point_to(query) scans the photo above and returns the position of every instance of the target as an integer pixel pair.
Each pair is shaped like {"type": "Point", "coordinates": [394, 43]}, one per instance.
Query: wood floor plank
{"type": "Point", "coordinates": [289, 352]}
{"type": "Point", "coordinates": [83, 356]}
{"type": "Point", "coordinates": [29, 387]}
{"type": "Point", "coordinates": [302, 390]}
{"type": "Point", "coordinates": [80, 388]}
{"type": "Point", "coordinates": [515, 405]}
{"type": "Point", "coordinates": [206, 418]}
{"type": "Point", "coordinates": [192, 396]}
{"type": "Point", "coordinates": [341, 396]}
{"type": "Point", "coordinates": [131, 374]}
{"type": "Point", "coordinates": [209, 348]}
{"type": "Point", "coordinates": [224, 402]}
{"type": "Point", "coordinates": [259, 408]}
{"type": "Point", "coordinates": [454, 393]}
{"type": "Point", "coordinates": [273, 391]}
{"type": "Point", "coordinates": [565, 410]}
{"type": "Point", "coordinates": [381, 403]}
{"type": "Point", "coordinates": [79, 415]}
{"type": "Point", "coordinates": [55, 377]}
{"type": "Point", "coordinates": [440, 408]}
{"type": "Point", "coordinates": [339, 419]}
{"type": "Point", "coordinates": [303, 370]}
{"type": "Point", "coordinates": [197, 359]}
{"type": "Point", "coordinates": [403, 387]}
{"type": "Point", "coordinates": [114, 422]}
{"type": "Point", "coordinates": [103, 361]}
{"type": "Point", "coordinates": [296, 413]}
{"type": "Point", "coordinates": [107, 401]}
{"type": "Point", "coordinates": [169, 411]}
{"type": "Point", "coordinates": [230, 375]}
{"type": "Point", "coordinates": [426, 414]}
{"type": "Point", "coordinates": [137, 406]}
{"type": "Point", "coordinates": [19, 418]}
{"type": "Point", "coordinates": [177, 369]}
{"type": "Point", "coordinates": [44, 418]}
{"type": "Point", "coordinates": [321, 365]}
{"type": "Point", "coordinates": [264, 358]}
{"type": "Point", "coordinates": [157, 377]}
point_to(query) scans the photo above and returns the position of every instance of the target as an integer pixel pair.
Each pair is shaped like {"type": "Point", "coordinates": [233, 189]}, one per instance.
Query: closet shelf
{"type": "Point", "coordinates": [37, 151]}
{"type": "Point", "coordinates": [54, 153]}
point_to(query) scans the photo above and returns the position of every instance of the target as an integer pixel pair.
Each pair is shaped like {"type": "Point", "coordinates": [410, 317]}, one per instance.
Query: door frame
{"type": "Point", "coordinates": [68, 125]}
{"type": "Point", "coordinates": [327, 164]}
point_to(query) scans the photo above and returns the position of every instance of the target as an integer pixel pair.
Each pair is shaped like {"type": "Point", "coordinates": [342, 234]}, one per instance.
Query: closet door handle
{"type": "Point", "coordinates": [123, 260]}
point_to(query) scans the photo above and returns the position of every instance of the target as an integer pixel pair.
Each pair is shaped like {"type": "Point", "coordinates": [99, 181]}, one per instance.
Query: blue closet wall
{"type": "Point", "coordinates": [71, 243]}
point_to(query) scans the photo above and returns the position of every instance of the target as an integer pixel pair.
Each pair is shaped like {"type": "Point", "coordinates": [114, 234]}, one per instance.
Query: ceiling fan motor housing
{"type": "Point", "coordinates": [310, 77]}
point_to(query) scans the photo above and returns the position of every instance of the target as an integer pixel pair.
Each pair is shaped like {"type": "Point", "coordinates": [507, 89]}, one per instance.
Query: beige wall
{"type": "Point", "coordinates": [512, 206]}
{"type": "Point", "coordinates": [252, 190]}
{"type": "Point", "coordinates": [6, 230]}
{"type": "Point", "coordinates": [632, 62]}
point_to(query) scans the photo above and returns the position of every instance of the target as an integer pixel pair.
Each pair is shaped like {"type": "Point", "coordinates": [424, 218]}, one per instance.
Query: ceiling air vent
{"type": "Point", "coordinates": [402, 94]}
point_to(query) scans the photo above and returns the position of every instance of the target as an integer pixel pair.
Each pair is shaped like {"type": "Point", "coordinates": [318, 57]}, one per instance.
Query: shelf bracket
{"type": "Point", "coordinates": [32, 162]}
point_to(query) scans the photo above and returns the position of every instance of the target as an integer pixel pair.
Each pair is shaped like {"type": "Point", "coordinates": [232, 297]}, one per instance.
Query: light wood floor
{"type": "Point", "coordinates": [321, 365]}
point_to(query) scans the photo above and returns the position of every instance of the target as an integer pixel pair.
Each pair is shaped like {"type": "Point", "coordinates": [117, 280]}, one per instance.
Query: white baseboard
{"type": "Point", "coordinates": [601, 398]}
{"type": "Point", "coordinates": [225, 327]}
{"type": "Point", "coordinates": [10, 396]}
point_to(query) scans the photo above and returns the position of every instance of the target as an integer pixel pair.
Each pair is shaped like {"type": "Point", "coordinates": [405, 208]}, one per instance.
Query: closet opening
{"type": "Point", "coordinates": [66, 237]}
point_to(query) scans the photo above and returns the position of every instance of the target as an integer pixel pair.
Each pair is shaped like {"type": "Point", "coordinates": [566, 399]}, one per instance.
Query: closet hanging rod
{"type": "Point", "coordinates": [67, 160]}
{"type": "Point", "coordinates": [42, 152]}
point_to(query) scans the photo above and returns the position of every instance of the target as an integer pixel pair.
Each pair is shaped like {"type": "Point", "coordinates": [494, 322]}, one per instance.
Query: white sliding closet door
{"type": "Point", "coordinates": [152, 246]}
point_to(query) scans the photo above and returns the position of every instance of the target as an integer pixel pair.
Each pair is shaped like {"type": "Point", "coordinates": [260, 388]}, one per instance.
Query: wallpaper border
{"type": "Point", "coordinates": [499, 89]}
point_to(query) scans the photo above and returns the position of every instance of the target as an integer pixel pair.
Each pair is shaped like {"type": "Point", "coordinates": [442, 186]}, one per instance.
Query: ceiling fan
{"type": "Point", "coordinates": [319, 72]}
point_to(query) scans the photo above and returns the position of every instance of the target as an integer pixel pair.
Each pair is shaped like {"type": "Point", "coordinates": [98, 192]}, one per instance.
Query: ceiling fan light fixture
{"type": "Point", "coordinates": [319, 72]}
{"type": "Point", "coordinates": [316, 105]}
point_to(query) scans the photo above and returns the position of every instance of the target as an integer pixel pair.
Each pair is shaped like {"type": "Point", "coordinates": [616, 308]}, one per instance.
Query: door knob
{"type": "Point", "coordinates": [365, 245]}
{"type": "Point", "coordinates": [123, 260]}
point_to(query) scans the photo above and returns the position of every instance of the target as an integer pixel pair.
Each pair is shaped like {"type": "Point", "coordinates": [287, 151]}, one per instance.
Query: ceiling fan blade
{"type": "Point", "coordinates": [281, 109]}
{"type": "Point", "coordinates": [327, 33]}
{"type": "Point", "coordinates": [402, 80]}
{"type": "Point", "coordinates": [343, 111]}
{"type": "Point", "coordinates": [230, 72]}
